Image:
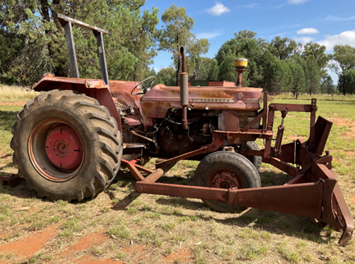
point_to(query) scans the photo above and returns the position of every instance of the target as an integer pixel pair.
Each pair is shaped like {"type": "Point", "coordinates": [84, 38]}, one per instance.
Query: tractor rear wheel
{"type": "Point", "coordinates": [66, 146]}
{"type": "Point", "coordinates": [224, 169]}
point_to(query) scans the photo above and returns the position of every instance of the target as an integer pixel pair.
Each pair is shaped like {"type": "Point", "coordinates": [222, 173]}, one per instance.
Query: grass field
{"type": "Point", "coordinates": [120, 226]}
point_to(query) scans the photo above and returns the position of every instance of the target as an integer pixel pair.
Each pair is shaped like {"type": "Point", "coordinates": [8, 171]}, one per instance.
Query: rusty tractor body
{"type": "Point", "coordinates": [81, 133]}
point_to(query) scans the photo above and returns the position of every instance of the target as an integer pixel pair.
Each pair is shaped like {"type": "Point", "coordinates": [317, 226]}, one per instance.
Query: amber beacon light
{"type": "Point", "coordinates": [240, 65]}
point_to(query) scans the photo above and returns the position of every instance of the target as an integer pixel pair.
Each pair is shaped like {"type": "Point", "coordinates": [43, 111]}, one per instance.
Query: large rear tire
{"type": "Point", "coordinates": [66, 146]}
{"type": "Point", "coordinates": [224, 169]}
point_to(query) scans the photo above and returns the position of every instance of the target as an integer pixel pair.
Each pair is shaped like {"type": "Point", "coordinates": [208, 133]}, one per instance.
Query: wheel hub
{"type": "Point", "coordinates": [225, 179]}
{"type": "Point", "coordinates": [64, 147]}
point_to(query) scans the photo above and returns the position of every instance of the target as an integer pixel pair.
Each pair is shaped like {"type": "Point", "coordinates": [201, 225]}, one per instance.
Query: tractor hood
{"type": "Point", "coordinates": [160, 98]}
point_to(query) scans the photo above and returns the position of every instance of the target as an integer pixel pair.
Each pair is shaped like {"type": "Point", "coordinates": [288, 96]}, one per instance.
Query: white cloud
{"type": "Point", "coordinates": [308, 31]}
{"type": "Point", "coordinates": [303, 40]}
{"type": "Point", "coordinates": [209, 35]}
{"type": "Point", "coordinates": [333, 18]}
{"type": "Point", "coordinates": [344, 38]}
{"type": "Point", "coordinates": [254, 5]}
{"type": "Point", "coordinates": [218, 9]}
{"type": "Point", "coordinates": [297, 2]}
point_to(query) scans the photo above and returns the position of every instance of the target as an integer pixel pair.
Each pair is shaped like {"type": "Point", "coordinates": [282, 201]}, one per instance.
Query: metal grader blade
{"type": "Point", "coordinates": [315, 168]}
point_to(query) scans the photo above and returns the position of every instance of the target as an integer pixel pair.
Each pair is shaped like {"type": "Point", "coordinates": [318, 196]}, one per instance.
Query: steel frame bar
{"type": "Point", "coordinates": [102, 57]}
{"type": "Point", "coordinates": [74, 70]}
{"type": "Point", "coordinates": [80, 23]}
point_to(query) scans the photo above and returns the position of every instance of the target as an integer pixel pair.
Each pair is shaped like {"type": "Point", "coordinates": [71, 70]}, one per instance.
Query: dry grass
{"type": "Point", "coordinates": [16, 93]}
{"type": "Point", "coordinates": [151, 228]}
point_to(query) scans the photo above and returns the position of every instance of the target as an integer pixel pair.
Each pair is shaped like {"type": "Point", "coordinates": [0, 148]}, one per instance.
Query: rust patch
{"type": "Point", "coordinates": [134, 250]}
{"type": "Point", "coordinates": [183, 255]}
{"type": "Point", "coordinates": [30, 244]}
{"type": "Point", "coordinates": [88, 241]}
{"type": "Point", "coordinates": [88, 260]}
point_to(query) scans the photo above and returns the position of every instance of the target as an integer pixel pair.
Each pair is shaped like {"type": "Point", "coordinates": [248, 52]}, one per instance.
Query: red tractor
{"type": "Point", "coordinates": [70, 141]}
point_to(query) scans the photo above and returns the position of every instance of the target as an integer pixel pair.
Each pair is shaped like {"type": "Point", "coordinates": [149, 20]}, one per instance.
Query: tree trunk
{"type": "Point", "coordinates": [177, 72]}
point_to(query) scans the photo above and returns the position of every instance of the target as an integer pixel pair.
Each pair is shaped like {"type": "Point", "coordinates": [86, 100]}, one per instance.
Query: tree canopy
{"type": "Point", "coordinates": [176, 32]}
{"type": "Point", "coordinates": [33, 41]}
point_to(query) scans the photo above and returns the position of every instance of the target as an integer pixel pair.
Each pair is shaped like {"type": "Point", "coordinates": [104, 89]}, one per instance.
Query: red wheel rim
{"type": "Point", "coordinates": [224, 178]}
{"type": "Point", "coordinates": [56, 150]}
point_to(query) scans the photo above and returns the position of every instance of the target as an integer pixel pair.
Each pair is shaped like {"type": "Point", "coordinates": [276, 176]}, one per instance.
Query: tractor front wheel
{"type": "Point", "coordinates": [256, 160]}
{"type": "Point", "coordinates": [66, 146]}
{"type": "Point", "coordinates": [224, 169]}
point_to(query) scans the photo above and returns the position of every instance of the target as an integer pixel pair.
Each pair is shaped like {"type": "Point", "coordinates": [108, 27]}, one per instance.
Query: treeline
{"type": "Point", "coordinates": [281, 65]}
{"type": "Point", "coordinates": [32, 42]}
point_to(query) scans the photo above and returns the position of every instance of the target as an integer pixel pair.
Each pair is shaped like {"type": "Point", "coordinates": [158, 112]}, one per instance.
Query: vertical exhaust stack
{"type": "Point", "coordinates": [240, 65]}
{"type": "Point", "coordinates": [184, 92]}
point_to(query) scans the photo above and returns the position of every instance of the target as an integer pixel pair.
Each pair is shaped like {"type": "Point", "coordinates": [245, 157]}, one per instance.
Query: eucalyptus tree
{"type": "Point", "coordinates": [176, 32]}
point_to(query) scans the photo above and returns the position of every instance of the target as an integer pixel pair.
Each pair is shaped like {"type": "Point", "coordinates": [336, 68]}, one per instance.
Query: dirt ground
{"type": "Point", "coordinates": [81, 250]}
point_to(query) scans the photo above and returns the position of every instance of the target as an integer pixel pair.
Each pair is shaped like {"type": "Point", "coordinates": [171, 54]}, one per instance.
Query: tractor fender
{"type": "Point", "coordinates": [90, 87]}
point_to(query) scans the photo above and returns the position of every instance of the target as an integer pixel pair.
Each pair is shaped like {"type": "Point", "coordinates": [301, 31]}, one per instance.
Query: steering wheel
{"type": "Point", "coordinates": [144, 89]}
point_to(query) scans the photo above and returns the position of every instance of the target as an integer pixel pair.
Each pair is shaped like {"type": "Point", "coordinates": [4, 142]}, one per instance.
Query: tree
{"type": "Point", "coordinates": [277, 74]}
{"type": "Point", "coordinates": [284, 48]}
{"type": "Point", "coordinates": [202, 68]}
{"type": "Point", "coordinates": [303, 63]}
{"type": "Point", "coordinates": [41, 39]}
{"type": "Point", "coordinates": [227, 71]}
{"type": "Point", "coordinates": [314, 75]}
{"type": "Point", "coordinates": [213, 71]}
{"type": "Point", "coordinates": [195, 49]}
{"type": "Point", "coordinates": [317, 52]}
{"type": "Point", "coordinates": [243, 45]}
{"type": "Point", "coordinates": [166, 76]}
{"type": "Point", "coordinates": [346, 82]}
{"type": "Point", "coordinates": [327, 85]}
{"type": "Point", "coordinates": [344, 55]}
{"type": "Point", "coordinates": [175, 33]}
{"type": "Point", "coordinates": [298, 80]}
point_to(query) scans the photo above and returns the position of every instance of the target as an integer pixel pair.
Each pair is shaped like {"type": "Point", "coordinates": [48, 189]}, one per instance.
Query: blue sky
{"type": "Point", "coordinates": [327, 22]}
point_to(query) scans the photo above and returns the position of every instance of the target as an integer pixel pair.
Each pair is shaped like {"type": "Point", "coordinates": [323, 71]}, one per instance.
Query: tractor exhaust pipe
{"type": "Point", "coordinates": [184, 92]}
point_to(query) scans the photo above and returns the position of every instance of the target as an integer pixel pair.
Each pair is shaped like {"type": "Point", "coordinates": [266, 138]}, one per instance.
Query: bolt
{"type": "Point", "coordinates": [139, 188]}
